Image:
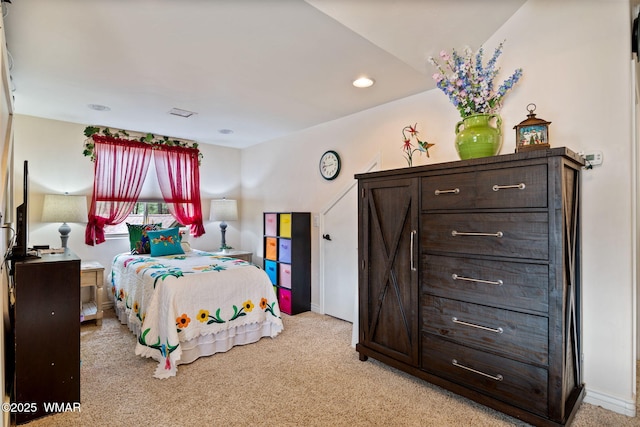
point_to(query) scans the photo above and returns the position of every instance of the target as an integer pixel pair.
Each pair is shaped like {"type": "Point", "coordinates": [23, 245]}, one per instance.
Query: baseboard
{"type": "Point", "coordinates": [615, 404]}
{"type": "Point", "coordinates": [316, 308]}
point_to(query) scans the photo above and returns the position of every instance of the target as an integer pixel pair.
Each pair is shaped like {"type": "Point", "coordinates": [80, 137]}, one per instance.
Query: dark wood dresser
{"type": "Point", "coordinates": [470, 278]}
{"type": "Point", "coordinates": [46, 336]}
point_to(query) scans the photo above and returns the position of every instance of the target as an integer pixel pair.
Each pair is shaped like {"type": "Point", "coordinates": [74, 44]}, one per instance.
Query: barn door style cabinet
{"type": "Point", "coordinates": [470, 279]}
{"type": "Point", "coordinates": [388, 291]}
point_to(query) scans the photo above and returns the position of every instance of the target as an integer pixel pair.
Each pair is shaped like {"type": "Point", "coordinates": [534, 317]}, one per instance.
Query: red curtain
{"type": "Point", "coordinates": [119, 172]}
{"type": "Point", "coordinates": [179, 179]}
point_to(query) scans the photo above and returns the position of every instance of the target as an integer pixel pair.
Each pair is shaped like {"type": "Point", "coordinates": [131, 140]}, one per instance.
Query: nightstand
{"type": "Point", "coordinates": [92, 276]}
{"type": "Point", "coordinates": [243, 255]}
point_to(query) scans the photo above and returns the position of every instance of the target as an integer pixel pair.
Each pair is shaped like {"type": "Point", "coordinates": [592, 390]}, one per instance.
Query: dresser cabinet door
{"type": "Point", "coordinates": [388, 277]}
{"type": "Point", "coordinates": [47, 333]}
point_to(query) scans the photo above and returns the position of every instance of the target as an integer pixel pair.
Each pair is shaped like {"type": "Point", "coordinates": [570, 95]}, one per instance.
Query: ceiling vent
{"type": "Point", "coordinates": [181, 113]}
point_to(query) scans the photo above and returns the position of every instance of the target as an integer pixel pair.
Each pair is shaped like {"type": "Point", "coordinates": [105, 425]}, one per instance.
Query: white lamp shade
{"type": "Point", "coordinates": [64, 208]}
{"type": "Point", "coordinates": [223, 210]}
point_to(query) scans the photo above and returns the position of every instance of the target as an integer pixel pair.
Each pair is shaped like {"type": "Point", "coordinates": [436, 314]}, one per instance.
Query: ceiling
{"type": "Point", "coordinates": [260, 68]}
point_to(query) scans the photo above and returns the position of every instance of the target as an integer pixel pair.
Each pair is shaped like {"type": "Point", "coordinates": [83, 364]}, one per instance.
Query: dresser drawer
{"type": "Point", "coordinates": [516, 235]}
{"type": "Point", "coordinates": [454, 191]}
{"type": "Point", "coordinates": [511, 333]}
{"type": "Point", "coordinates": [519, 187]}
{"type": "Point", "coordinates": [498, 283]}
{"type": "Point", "coordinates": [510, 381]}
{"type": "Point", "coordinates": [89, 278]}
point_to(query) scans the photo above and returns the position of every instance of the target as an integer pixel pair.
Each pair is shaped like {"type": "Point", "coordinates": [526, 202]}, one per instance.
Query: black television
{"type": "Point", "coordinates": [22, 221]}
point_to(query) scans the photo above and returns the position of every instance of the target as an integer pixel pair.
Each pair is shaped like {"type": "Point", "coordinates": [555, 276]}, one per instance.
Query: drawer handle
{"type": "Point", "coordinates": [452, 191]}
{"type": "Point", "coordinates": [460, 233]}
{"type": "Point", "coordinates": [474, 325]}
{"type": "Point", "coordinates": [520, 186]}
{"type": "Point", "coordinates": [471, 279]}
{"type": "Point", "coordinates": [493, 377]}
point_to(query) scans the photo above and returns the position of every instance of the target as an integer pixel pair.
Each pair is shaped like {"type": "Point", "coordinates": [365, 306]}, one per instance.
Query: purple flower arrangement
{"type": "Point", "coordinates": [469, 83]}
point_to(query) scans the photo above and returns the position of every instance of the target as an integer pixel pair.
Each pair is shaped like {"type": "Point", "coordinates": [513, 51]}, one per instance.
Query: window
{"type": "Point", "coordinates": [147, 212]}
{"type": "Point", "coordinates": [120, 169]}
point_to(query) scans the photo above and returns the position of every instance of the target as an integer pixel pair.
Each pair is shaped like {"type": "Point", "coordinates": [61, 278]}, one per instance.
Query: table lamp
{"type": "Point", "coordinates": [64, 208]}
{"type": "Point", "coordinates": [223, 210]}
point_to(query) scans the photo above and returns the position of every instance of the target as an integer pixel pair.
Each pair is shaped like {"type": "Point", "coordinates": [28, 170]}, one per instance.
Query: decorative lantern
{"type": "Point", "coordinates": [532, 133]}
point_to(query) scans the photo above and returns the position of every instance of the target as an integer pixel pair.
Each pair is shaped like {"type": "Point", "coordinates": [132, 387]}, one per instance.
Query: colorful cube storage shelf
{"type": "Point", "coordinates": [287, 258]}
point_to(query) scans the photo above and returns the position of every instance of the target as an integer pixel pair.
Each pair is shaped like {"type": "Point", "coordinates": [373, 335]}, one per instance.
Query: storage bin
{"type": "Point", "coordinates": [271, 224]}
{"type": "Point", "coordinates": [284, 250]}
{"type": "Point", "coordinates": [285, 275]}
{"type": "Point", "coordinates": [284, 300]}
{"type": "Point", "coordinates": [271, 248]}
{"type": "Point", "coordinates": [285, 225]}
{"type": "Point", "coordinates": [271, 268]}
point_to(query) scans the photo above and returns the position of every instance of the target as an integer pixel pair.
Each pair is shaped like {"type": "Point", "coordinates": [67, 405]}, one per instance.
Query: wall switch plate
{"type": "Point", "coordinates": [593, 157]}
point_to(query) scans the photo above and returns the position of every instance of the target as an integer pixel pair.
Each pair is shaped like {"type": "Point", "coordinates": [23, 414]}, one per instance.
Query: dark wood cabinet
{"type": "Point", "coordinates": [388, 279]}
{"type": "Point", "coordinates": [488, 270]}
{"type": "Point", "coordinates": [46, 335]}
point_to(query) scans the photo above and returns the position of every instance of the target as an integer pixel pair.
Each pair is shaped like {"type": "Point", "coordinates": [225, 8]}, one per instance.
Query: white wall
{"type": "Point", "coordinates": [576, 58]}
{"type": "Point", "coordinates": [56, 164]}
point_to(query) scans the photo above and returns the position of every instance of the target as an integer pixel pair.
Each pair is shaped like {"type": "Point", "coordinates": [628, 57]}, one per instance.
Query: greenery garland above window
{"type": "Point", "coordinates": [148, 138]}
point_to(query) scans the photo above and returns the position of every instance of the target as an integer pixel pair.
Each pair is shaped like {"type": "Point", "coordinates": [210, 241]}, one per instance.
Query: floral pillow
{"type": "Point", "coordinates": [165, 242]}
{"type": "Point", "coordinates": [138, 238]}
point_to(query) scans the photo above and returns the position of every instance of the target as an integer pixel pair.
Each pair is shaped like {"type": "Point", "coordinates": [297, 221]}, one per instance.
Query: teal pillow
{"type": "Point", "coordinates": [138, 238]}
{"type": "Point", "coordinates": [165, 242]}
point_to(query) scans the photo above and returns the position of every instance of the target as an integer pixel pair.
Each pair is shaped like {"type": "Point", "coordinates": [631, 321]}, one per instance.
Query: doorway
{"type": "Point", "coordinates": [339, 255]}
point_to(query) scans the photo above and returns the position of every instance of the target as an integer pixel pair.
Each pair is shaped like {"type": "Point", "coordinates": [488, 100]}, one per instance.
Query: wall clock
{"type": "Point", "coordinates": [330, 165]}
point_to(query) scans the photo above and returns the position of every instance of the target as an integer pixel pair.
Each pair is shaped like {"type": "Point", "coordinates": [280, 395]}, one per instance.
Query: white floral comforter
{"type": "Point", "coordinates": [172, 299]}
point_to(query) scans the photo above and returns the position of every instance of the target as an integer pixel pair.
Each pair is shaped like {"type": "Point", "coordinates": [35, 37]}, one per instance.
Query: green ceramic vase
{"type": "Point", "coordinates": [479, 136]}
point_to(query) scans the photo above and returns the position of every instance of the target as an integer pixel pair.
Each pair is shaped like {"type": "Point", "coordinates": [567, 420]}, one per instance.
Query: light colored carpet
{"type": "Point", "coordinates": [307, 376]}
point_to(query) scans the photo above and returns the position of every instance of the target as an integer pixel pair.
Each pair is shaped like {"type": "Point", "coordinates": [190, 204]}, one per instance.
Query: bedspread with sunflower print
{"type": "Point", "coordinates": [172, 299]}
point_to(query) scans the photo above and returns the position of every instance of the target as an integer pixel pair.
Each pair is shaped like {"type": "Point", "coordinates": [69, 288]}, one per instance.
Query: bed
{"type": "Point", "coordinates": [185, 306]}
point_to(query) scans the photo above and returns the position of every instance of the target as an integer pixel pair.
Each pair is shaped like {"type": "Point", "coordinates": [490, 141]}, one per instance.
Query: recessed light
{"type": "Point", "coordinates": [98, 107]}
{"type": "Point", "coordinates": [225, 131]}
{"type": "Point", "coordinates": [363, 82]}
